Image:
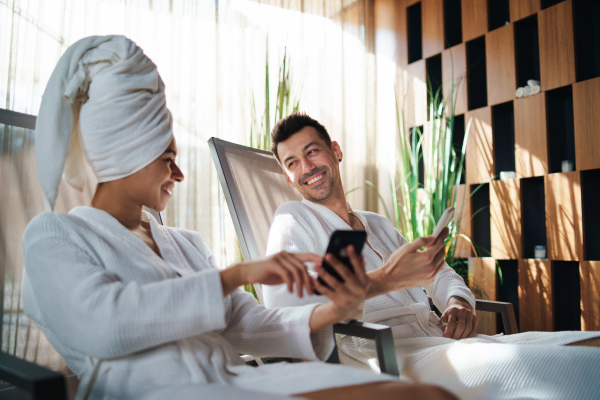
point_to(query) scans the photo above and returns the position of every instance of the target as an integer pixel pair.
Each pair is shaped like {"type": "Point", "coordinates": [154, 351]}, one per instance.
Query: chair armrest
{"type": "Point", "coordinates": [384, 343]}
{"type": "Point", "coordinates": [505, 309]}
{"type": "Point", "coordinates": [39, 381]}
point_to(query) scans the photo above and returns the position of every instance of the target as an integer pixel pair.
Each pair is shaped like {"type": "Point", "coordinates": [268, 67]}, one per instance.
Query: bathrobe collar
{"type": "Point", "coordinates": [339, 223]}
{"type": "Point", "coordinates": [170, 259]}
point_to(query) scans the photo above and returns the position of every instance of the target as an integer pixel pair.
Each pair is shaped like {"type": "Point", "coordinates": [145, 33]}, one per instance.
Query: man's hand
{"type": "Point", "coordinates": [409, 267]}
{"type": "Point", "coordinates": [346, 297]}
{"type": "Point", "coordinates": [458, 320]}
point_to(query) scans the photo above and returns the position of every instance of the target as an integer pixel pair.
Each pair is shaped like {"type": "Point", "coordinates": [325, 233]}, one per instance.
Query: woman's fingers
{"type": "Point", "coordinates": [334, 284]}
{"type": "Point", "coordinates": [309, 257]}
{"type": "Point", "coordinates": [323, 289]}
{"type": "Point", "coordinates": [296, 270]}
{"type": "Point", "coordinates": [351, 282]}
{"type": "Point", "coordinates": [288, 264]}
{"type": "Point", "coordinates": [299, 260]}
{"type": "Point", "coordinates": [358, 263]}
{"type": "Point", "coordinates": [286, 276]}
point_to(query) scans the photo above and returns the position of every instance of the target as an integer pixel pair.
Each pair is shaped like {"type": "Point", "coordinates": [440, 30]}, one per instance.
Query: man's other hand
{"type": "Point", "coordinates": [458, 320]}
{"type": "Point", "coordinates": [409, 267]}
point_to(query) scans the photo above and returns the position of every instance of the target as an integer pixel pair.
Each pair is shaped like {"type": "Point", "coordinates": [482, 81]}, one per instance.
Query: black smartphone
{"type": "Point", "coordinates": [338, 244]}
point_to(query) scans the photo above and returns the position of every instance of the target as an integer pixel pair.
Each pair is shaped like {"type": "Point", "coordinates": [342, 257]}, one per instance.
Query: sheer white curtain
{"type": "Point", "coordinates": [212, 56]}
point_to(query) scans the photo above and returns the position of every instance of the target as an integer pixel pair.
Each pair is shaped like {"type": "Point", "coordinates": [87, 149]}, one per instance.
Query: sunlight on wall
{"type": "Point", "coordinates": [212, 59]}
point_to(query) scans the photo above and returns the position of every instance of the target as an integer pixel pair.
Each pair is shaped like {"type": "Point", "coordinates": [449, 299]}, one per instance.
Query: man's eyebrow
{"type": "Point", "coordinates": [303, 149]}
{"type": "Point", "coordinates": [170, 151]}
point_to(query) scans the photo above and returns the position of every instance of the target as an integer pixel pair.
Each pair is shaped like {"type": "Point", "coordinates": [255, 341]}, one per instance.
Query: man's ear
{"type": "Point", "coordinates": [337, 150]}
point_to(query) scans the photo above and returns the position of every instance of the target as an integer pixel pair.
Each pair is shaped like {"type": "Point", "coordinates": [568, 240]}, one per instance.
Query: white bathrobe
{"type": "Point", "coordinates": [131, 324]}
{"type": "Point", "coordinates": [483, 367]}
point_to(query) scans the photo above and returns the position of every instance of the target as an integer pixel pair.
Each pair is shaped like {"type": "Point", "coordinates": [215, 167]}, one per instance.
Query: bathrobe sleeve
{"type": "Point", "coordinates": [447, 282]}
{"type": "Point", "coordinates": [290, 232]}
{"type": "Point", "coordinates": [95, 313]}
{"type": "Point", "coordinates": [283, 332]}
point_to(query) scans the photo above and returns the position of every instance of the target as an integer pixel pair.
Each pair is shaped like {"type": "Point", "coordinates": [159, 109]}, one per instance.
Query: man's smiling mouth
{"type": "Point", "coordinates": [315, 179]}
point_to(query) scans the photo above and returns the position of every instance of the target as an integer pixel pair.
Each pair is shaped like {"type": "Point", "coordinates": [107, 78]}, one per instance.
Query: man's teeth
{"type": "Point", "coordinates": [166, 189]}
{"type": "Point", "coordinates": [313, 180]}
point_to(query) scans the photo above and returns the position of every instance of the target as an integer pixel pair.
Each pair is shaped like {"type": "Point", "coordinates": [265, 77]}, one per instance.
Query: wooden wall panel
{"type": "Point", "coordinates": [557, 46]}
{"type": "Point", "coordinates": [479, 154]}
{"type": "Point", "coordinates": [474, 18]}
{"type": "Point", "coordinates": [455, 57]}
{"type": "Point", "coordinates": [415, 100]}
{"type": "Point", "coordinates": [505, 214]}
{"type": "Point", "coordinates": [433, 27]}
{"type": "Point", "coordinates": [463, 248]}
{"type": "Point", "coordinates": [483, 283]}
{"type": "Point", "coordinates": [563, 216]}
{"type": "Point", "coordinates": [586, 103]}
{"type": "Point", "coordinates": [500, 62]}
{"type": "Point", "coordinates": [536, 300]}
{"type": "Point", "coordinates": [589, 272]}
{"type": "Point", "coordinates": [520, 9]}
{"type": "Point", "coordinates": [401, 35]}
{"type": "Point", "coordinates": [531, 139]}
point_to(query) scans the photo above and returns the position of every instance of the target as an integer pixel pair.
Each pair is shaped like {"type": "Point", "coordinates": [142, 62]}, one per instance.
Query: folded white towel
{"type": "Point", "coordinates": [520, 92]}
{"type": "Point", "coordinates": [533, 82]}
{"type": "Point", "coordinates": [535, 89]}
{"type": "Point", "coordinates": [105, 104]}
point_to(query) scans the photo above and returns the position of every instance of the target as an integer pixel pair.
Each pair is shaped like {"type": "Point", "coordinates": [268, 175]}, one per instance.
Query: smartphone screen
{"type": "Point", "coordinates": [338, 244]}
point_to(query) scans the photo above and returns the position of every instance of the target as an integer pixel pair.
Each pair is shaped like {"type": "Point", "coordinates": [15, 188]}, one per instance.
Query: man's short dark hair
{"type": "Point", "coordinates": [293, 124]}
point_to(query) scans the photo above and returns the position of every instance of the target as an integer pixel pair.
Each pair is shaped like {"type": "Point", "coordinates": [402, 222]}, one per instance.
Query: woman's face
{"type": "Point", "coordinates": [153, 185]}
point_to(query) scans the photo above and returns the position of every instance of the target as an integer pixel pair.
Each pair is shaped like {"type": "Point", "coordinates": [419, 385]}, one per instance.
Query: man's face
{"type": "Point", "coordinates": [311, 166]}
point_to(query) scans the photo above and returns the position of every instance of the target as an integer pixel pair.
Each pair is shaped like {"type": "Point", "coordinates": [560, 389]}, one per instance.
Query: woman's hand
{"type": "Point", "coordinates": [346, 297]}
{"type": "Point", "coordinates": [276, 269]}
{"type": "Point", "coordinates": [409, 267]}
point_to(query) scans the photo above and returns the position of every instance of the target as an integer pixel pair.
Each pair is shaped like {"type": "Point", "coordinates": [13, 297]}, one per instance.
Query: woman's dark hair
{"type": "Point", "coordinates": [293, 124]}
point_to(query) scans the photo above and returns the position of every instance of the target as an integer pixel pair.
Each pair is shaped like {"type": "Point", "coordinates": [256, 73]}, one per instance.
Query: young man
{"type": "Point", "coordinates": [478, 366]}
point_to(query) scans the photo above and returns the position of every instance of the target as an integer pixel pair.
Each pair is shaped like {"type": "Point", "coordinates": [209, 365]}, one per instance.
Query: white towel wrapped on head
{"type": "Point", "coordinates": [105, 104]}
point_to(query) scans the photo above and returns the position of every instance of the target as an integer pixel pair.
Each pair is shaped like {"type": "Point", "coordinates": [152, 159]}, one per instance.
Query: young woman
{"type": "Point", "coordinates": [139, 310]}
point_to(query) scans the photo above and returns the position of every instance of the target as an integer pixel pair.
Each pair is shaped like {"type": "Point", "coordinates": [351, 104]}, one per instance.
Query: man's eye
{"type": "Point", "coordinates": [169, 160]}
{"type": "Point", "coordinates": [290, 164]}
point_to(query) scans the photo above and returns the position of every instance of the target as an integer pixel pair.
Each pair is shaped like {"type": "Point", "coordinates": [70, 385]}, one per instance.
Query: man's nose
{"type": "Point", "coordinates": [307, 165]}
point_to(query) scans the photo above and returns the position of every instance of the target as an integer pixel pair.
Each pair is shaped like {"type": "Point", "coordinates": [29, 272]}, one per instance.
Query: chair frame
{"type": "Point", "coordinates": [40, 382]}
{"type": "Point", "coordinates": [382, 334]}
